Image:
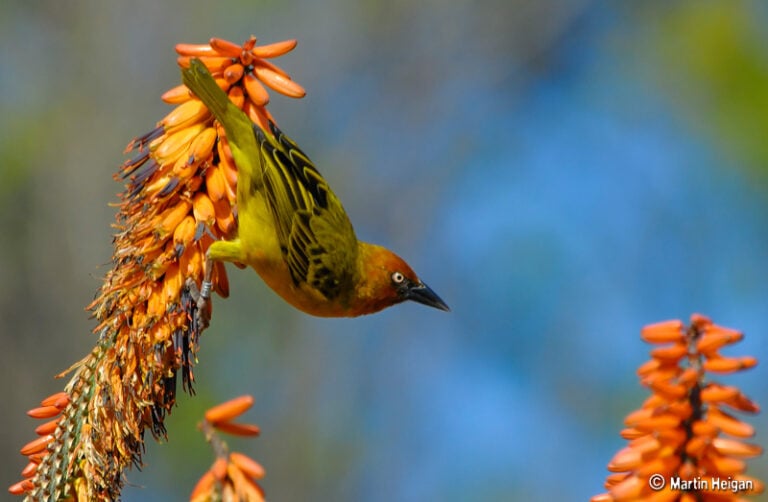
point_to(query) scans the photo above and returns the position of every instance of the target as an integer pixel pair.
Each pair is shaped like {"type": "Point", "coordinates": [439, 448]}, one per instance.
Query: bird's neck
{"type": "Point", "coordinates": [368, 297]}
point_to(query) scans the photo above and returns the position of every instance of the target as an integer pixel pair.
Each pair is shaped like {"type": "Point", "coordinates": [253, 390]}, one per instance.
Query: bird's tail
{"type": "Point", "coordinates": [238, 127]}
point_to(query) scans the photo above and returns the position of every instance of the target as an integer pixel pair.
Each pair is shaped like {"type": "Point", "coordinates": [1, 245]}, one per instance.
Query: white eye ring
{"type": "Point", "coordinates": [398, 278]}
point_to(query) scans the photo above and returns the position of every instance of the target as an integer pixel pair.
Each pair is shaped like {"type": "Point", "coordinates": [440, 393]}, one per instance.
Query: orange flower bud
{"type": "Point", "coordinates": [246, 464]}
{"type": "Point", "coordinates": [728, 364]}
{"type": "Point", "coordinates": [663, 332]}
{"type": "Point", "coordinates": [60, 400]}
{"type": "Point", "coordinates": [274, 50]}
{"type": "Point", "coordinates": [219, 469]}
{"type": "Point", "coordinates": [225, 47]}
{"type": "Point", "coordinates": [227, 411]}
{"type": "Point", "coordinates": [671, 352]}
{"type": "Point", "coordinates": [235, 429]}
{"type": "Point", "coordinates": [37, 445]}
{"type": "Point", "coordinates": [44, 412]}
{"type": "Point", "coordinates": [736, 448]}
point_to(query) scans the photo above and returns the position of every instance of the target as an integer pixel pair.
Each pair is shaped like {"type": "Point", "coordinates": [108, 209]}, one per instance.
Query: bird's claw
{"type": "Point", "coordinates": [202, 298]}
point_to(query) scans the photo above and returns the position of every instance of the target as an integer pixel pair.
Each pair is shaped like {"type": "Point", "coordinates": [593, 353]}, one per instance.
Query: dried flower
{"type": "Point", "coordinates": [675, 451]}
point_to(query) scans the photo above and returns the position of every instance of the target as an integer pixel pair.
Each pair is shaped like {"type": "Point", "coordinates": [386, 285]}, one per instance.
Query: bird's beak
{"type": "Point", "coordinates": [423, 294]}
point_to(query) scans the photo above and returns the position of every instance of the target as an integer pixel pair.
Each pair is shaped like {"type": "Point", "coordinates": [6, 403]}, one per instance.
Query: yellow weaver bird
{"type": "Point", "coordinates": [293, 230]}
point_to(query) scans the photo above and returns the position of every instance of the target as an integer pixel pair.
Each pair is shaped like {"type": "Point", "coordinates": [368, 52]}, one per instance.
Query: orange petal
{"type": "Point", "coordinates": [664, 421]}
{"type": "Point", "coordinates": [172, 284]}
{"type": "Point", "coordinates": [202, 490]}
{"type": "Point", "coordinates": [278, 82]}
{"type": "Point", "coordinates": [626, 459]}
{"type": "Point", "coordinates": [47, 428]}
{"type": "Point", "coordinates": [713, 393]}
{"type": "Point", "coordinates": [615, 478]}
{"type": "Point", "coordinates": [60, 400]}
{"type": "Point", "coordinates": [722, 465]}
{"type": "Point", "coordinates": [233, 73]}
{"type": "Point", "coordinates": [195, 50]}
{"type": "Point", "coordinates": [221, 82]}
{"type": "Point", "coordinates": [248, 45]}
{"type": "Point", "coordinates": [631, 433]}
{"type": "Point", "coordinates": [681, 409]}
{"type": "Point", "coordinates": [44, 412]}
{"type": "Point", "coordinates": [257, 114]}
{"type": "Point", "coordinates": [184, 232]}
{"type": "Point", "coordinates": [213, 63]}
{"type": "Point", "coordinates": [668, 390]}
{"type": "Point", "coordinates": [736, 448]}
{"type": "Point", "coordinates": [225, 218]}
{"type": "Point", "coordinates": [215, 183]}
{"type": "Point", "coordinates": [638, 415]}
{"type": "Point", "coordinates": [648, 367]}
{"type": "Point", "coordinates": [219, 469]}
{"type": "Point", "coordinates": [700, 321]}
{"type": "Point", "coordinates": [713, 339]}
{"type": "Point", "coordinates": [704, 428]}
{"type": "Point", "coordinates": [696, 446]}
{"type": "Point", "coordinates": [665, 466]}
{"type": "Point", "coordinates": [742, 403]}
{"type": "Point", "coordinates": [177, 95]}
{"type": "Point", "coordinates": [663, 332]}
{"type": "Point", "coordinates": [202, 146]}
{"type": "Point", "coordinates": [184, 115]}
{"type": "Point", "coordinates": [36, 457]}
{"type": "Point", "coordinates": [191, 263]}
{"type": "Point", "coordinates": [202, 209]}
{"type": "Point", "coordinates": [629, 489]}
{"type": "Point", "coordinates": [273, 67]}
{"type": "Point", "coordinates": [21, 487]}
{"type": "Point", "coordinates": [728, 364]}
{"type": "Point", "coordinates": [225, 47]}
{"type": "Point", "coordinates": [174, 215]}
{"type": "Point", "coordinates": [645, 445]}
{"type": "Point", "coordinates": [274, 50]}
{"type": "Point", "coordinates": [229, 410]}
{"type": "Point", "coordinates": [173, 146]}
{"type": "Point", "coordinates": [665, 373]}
{"type": "Point", "coordinates": [671, 438]}
{"type": "Point", "coordinates": [245, 430]}
{"type": "Point", "coordinates": [670, 353]}
{"type": "Point", "coordinates": [688, 377]}
{"type": "Point", "coordinates": [654, 401]}
{"type": "Point", "coordinates": [246, 464]}
{"type": "Point", "coordinates": [155, 305]}
{"type": "Point", "coordinates": [729, 424]}
{"type": "Point", "coordinates": [220, 279]}
{"type": "Point", "coordinates": [36, 446]}
{"type": "Point", "coordinates": [236, 96]}
{"type": "Point", "coordinates": [256, 92]}
{"type": "Point", "coordinates": [29, 470]}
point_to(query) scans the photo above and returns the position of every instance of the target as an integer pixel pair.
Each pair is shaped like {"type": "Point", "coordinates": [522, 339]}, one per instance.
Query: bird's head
{"type": "Point", "coordinates": [386, 279]}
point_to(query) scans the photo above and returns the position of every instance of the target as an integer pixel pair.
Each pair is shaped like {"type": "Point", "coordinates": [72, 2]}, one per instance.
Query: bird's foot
{"type": "Point", "coordinates": [202, 299]}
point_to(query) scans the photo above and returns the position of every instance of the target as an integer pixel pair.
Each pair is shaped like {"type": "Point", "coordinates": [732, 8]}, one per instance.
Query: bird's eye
{"type": "Point", "coordinates": [398, 278]}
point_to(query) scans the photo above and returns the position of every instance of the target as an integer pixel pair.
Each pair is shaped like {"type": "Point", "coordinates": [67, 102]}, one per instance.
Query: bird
{"type": "Point", "coordinates": [293, 230]}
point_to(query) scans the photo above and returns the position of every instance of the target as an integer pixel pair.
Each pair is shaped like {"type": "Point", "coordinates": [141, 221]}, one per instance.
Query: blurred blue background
{"type": "Point", "coordinates": [562, 173]}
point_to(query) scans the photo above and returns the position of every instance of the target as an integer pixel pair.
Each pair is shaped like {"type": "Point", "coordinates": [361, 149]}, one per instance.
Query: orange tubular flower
{"type": "Point", "coordinates": [233, 475]}
{"type": "Point", "coordinates": [675, 450]}
{"type": "Point", "coordinates": [179, 198]}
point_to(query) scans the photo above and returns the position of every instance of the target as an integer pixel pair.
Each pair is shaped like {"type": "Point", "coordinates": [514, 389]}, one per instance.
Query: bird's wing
{"type": "Point", "coordinates": [316, 237]}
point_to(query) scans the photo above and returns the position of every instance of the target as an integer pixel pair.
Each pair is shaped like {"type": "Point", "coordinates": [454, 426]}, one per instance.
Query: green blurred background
{"type": "Point", "coordinates": [562, 173]}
